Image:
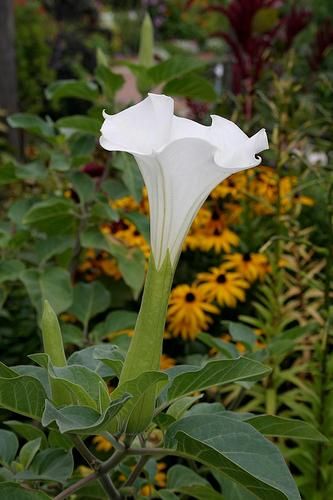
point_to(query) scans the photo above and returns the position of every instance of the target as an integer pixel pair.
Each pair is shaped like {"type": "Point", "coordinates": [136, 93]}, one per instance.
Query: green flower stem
{"type": "Point", "coordinates": [146, 346]}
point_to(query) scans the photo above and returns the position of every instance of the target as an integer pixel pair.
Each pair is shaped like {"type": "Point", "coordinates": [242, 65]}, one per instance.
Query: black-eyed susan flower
{"type": "Point", "coordinates": [223, 286]}
{"type": "Point", "coordinates": [251, 266]}
{"type": "Point", "coordinates": [166, 362]}
{"type": "Point", "coordinates": [102, 444]}
{"type": "Point", "coordinates": [188, 312]}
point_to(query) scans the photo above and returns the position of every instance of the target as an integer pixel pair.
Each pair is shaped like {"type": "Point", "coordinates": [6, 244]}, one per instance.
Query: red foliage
{"type": "Point", "coordinates": [323, 40]}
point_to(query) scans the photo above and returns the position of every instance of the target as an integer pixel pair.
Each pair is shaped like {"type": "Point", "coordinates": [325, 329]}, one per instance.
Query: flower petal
{"type": "Point", "coordinates": [243, 155]}
{"type": "Point", "coordinates": [141, 128]}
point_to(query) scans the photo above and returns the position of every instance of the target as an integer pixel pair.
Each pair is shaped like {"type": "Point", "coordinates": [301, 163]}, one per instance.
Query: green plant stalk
{"type": "Point", "coordinates": [146, 346]}
{"type": "Point", "coordinates": [52, 338]}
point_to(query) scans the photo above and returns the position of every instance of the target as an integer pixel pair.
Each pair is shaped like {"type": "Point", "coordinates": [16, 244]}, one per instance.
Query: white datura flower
{"type": "Point", "coordinates": [181, 162]}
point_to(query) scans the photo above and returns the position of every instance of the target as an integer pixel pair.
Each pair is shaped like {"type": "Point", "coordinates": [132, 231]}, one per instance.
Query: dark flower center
{"type": "Point", "coordinates": [215, 215]}
{"type": "Point", "coordinates": [247, 257]}
{"type": "Point", "coordinates": [190, 297]}
{"type": "Point", "coordinates": [221, 278]}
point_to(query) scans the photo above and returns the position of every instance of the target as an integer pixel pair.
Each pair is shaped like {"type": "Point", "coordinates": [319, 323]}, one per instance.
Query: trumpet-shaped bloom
{"type": "Point", "coordinates": [181, 162]}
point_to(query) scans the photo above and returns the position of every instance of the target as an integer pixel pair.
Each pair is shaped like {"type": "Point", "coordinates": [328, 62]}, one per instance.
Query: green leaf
{"type": "Point", "coordinates": [82, 419]}
{"type": "Point", "coordinates": [191, 86]}
{"type": "Point", "coordinates": [89, 299]}
{"type": "Point", "coordinates": [55, 215]}
{"type": "Point", "coordinates": [24, 395]}
{"type": "Point", "coordinates": [225, 348]}
{"type": "Point", "coordinates": [89, 358]}
{"type": "Point", "coordinates": [233, 490]}
{"type": "Point", "coordinates": [189, 379]}
{"type": "Point", "coordinates": [31, 123]}
{"type": "Point", "coordinates": [18, 209]}
{"type": "Point", "coordinates": [137, 388]}
{"type": "Point", "coordinates": [52, 245]}
{"type": "Point", "coordinates": [115, 322]}
{"type": "Point", "coordinates": [84, 186]}
{"type": "Point", "coordinates": [184, 480]}
{"type": "Point", "coordinates": [59, 161]}
{"type": "Point", "coordinates": [111, 82]}
{"type": "Point", "coordinates": [271, 425]}
{"type": "Point", "coordinates": [28, 452]}
{"type": "Point", "coordinates": [242, 333]}
{"type": "Point", "coordinates": [72, 88]}
{"type": "Point", "coordinates": [34, 170]}
{"type": "Point", "coordinates": [7, 174]}
{"type": "Point", "coordinates": [130, 174]}
{"type": "Point", "coordinates": [15, 492]}
{"type": "Point", "coordinates": [179, 407]}
{"type": "Point", "coordinates": [49, 465]}
{"type": "Point", "coordinates": [91, 386]}
{"type": "Point", "coordinates": [238, 450]}
{"type": "Point", "coordinates": [57, 440]}
{"type": "Point", "coordinates": [72, 334]}
{"type": "Point", "coordinates": [8, 447]}
{"type": "Point", "coordinates": [103, 211]}
{"type": "Point", "coordinates": [77, 123]}
{"type": "Point", "coordinates": [27, 431]}
{"type": "Point", "coordinates": [131, 262]}
{"type": "Point", "coordinates": [52, 284]}
{"type": "Point", "coordinates": [10, 270]}
{"type": "Point", "coordinates": [174, 67]}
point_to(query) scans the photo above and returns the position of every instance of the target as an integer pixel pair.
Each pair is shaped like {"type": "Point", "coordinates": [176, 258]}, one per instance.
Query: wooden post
{"type": "Point", "coordinates": [8, 80]}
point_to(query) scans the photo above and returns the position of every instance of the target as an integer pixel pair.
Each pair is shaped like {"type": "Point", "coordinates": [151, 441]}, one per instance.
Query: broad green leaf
{"type": "Point", "coordinates": [89, 299]}
{"type": "Point", "coordinates": [34, 170]}
{"type": "Point", "coordinates": [191, 86]}
{"type": "Point", "coordinates": [55, 215]}
{"type": "Point", "coordinates": [271, 425]}
{"type": "Point", "coordinates": [111, 82]}
{"type": "Point", "coordinates": [10, 270]}
{"type": "Point", "coordinates": [130, 174]}
{"type": "Point", "coordinates": [232, 490]}
{"type": "Point", "coordinates": [7, 174]}
{"type": "Point", "coordinates": [78, 123]}
{"type": "Point", "coordinates": [8, 447]}
{"type": "Point", "coordinates": [89, 358]}
{"type": "Point", "coordinates": [131, 262]}
{"type": "Point", "coordinates": [27, 431]}
{"type": "Point", "coordinates": [242, 333]}
{"type": "Point", "coordinates": [31, 123]}
{"type": "Point", "coordinates": [72, 334]}
{"type": "Point", "coordinates": [57, 440]}
{"type": "Point", "coordinates": [115, 322]}
{"type": "Point", "coordinates": [184, 480]}
{"type": "Point", "coordinates": [49, 465]}
{"type": "Point", "coordinates": [59, 161]}
{"type": "Point", "coordinates": [225, 348]}
{"type": "Point", "coordinates": [167, 495]}
{"type": "Point", "coordinates": [24, 395]}
{"type": "Point", "coordinates": [52, 245]}
{"type": "Point", "coordinates": [84, 186]}
{"type": "Point", "coordinates": [216, 372]}
{"type": "Point", "coordinates": [102, 210]}
{"type": "Point", "coordinates": [137, 388]}
{"type": "Point", "coordinates": [206, 408]}
{"type": "Point", "coordinates": [28, 452]}
{"type": "Point", "coordinates": [237, 450]}
{"type": "Point", "coordinates": [82, 419]}
{"type": "Point", "coordinates": [14, 491]}
{"type": "Point", "coordinates": [180, 406]}
{"type": "Point", "coordinates": [18, 209]}
{"type": "Point", "coordinates": [174, 67]}
{"type": "Point", "coordinates": [52, 284]}
{"type": "Point", "coordinates": [90, 383]}
{"type": "Point", "coordinates": [72, 88]}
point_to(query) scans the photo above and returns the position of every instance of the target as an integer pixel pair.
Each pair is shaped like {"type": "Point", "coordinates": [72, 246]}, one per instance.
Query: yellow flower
{"type": "Point", "coordinates": [166, 362]}
{"type": "Point", "coordinates": [187, 313]}
{"type": "Point", "coordinates": [102, 444]}
{"type": "Point", "coordinates": [233, 186]}
{"type": "Point", "coordinates": [210, 232]}
{"type": "Point", "coordinates": [84, 471]}
{"type": "Point", "coordinates": [110, 267]}
{"type": "Point", "coordinates": [223, 286]}
{"type": "Point", "coordinates": [159, 480]}
{"type": "Point", "coordinates": [251, 266]}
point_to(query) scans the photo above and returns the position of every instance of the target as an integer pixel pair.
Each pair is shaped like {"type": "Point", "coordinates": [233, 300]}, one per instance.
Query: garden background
{"type": "Point", "coordinates": [255, 276]}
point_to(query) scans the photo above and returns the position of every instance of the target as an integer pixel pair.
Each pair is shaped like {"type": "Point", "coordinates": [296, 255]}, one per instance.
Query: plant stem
{"type": "Point", "coordinates": [146, 345]}
{"type": "Point", "coordinates": [137, 470]}
{"type": "Point", "coordinates": [76, 486]}
{"type": "Point", "coordinates": [96, 464]}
